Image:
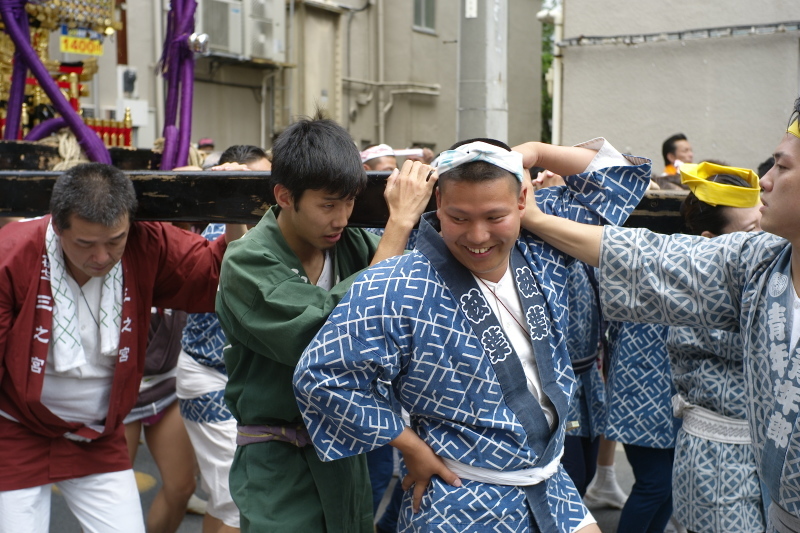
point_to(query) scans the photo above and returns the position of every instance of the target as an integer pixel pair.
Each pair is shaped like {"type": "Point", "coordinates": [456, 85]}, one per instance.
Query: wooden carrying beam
{"type": "Point", "coordinates": [215, 196]}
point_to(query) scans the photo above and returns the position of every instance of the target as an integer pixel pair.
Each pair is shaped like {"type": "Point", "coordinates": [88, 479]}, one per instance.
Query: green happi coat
{"type": "Point", "coordinates": [269, 313]}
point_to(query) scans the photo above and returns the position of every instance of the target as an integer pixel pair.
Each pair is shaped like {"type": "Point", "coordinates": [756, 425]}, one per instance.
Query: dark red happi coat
{"type": "Point", "coordinates": [163, 266]}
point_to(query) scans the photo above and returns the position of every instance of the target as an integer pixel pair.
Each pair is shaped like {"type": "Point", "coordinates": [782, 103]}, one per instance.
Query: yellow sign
{"type": "Point", "coordinates": [81, 41]}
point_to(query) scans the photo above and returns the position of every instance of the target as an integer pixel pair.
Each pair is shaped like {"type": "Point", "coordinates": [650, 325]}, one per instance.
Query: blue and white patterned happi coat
{"type": "Point", "coordinates": [588, 405]}
{"type": "Point", "coordinates": [401, 323]}
{"type": "Point", "coordinates": [203, 339]}
{"type": "Point", "coordinates": [721, 283]}
{"type": "Point", "coordinates": [715, 484]}
{"type": "Point", "coordinates": [640, 388]}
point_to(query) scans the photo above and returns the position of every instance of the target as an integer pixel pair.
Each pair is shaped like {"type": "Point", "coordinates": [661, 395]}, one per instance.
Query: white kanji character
{"type": "Point", "coordinates": [40, 333]}
{"type": "Point", "coordinates": [778, 430]}
{"type": "Point", "coordinates": [776, 322]}
{"type": "Point", "coordinates": [778, 357]}
{"type": "Point", "coordinates": [537, 322]}
{"type": "Point", "coordinates": [126, 325]}
{"type": "Point", "coordinates": [787, 394]}
{"type": "Point", "coordinates": [125, 297]}
{"type": "Point", "coordinates": [123, 354]}
{"type": "Point", "coordinates": [794, 373]}
{"type": "Point", "coordinates": [45, 268]}
{"type": "Point", "coordinates": [44, 302]}
{"type": "Point", "coordinates": [36, 365]}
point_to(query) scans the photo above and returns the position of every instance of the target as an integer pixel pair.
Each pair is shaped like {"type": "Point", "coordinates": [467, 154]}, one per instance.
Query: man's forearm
{"type": "Point", "coordinates": [563, 160]}
{"type": "Point", "coordinates": [394, 240]}
{"type": "Point", "coordinates": [234, 231]}
{"type": "Point", "coordinates": [581, 241]}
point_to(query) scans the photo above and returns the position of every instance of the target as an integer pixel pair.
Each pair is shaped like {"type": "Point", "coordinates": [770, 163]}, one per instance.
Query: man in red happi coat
{"type": "Point", "coordinates": [76, 289]}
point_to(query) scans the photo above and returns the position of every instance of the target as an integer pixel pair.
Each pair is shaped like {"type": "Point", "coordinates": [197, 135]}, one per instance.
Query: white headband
{"type": "Point", "coordinates": [480, 151]}
{"type": "Point", "coordinates": [373, 152]}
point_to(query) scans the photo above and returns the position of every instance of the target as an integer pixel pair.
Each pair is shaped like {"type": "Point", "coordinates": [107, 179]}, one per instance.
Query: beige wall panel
{"type": "Point", "coordinates": [614, 17]}
{"type": "Point", "coordinates": [730, 96]}
{"type": "Point", "coordinates": [524, 72]}
{"type": "Point", "coordinates": [318, 63]}
{"type": "Point", "coordinates": [229, 115]}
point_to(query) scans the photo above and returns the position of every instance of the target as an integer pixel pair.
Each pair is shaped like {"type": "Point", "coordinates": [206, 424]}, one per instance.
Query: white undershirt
{"type": "Point", "coordinates": [82, 394]}
{"type": "Point", "coordinates": [506, 291]}
{"type": "Point", "coordinates": [326, 278]}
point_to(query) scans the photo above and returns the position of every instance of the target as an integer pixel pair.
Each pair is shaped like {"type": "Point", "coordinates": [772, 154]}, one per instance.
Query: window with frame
{"type": "Point", "coordinates": [425, 15]}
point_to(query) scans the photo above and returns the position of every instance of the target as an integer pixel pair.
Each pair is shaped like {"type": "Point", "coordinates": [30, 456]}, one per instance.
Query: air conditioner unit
{"type": "Point", "coordinates": [223, 21]}
{"type": "Point", "coordinates": [265, 29]}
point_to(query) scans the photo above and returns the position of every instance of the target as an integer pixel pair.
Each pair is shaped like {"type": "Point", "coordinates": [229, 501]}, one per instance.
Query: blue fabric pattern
{"type": "Point", "coordinates": [716, 484]}
{"type": "Point", "coordinates": [721, 283]}
{"type": "Point", "coordinates": [203, 338]}
{"type": "Point", "coordinates": [640, 387]}
{"type": "Point", "coordinates": [588, 406]}
{"type": "Point", "coordinates": [210, 407]}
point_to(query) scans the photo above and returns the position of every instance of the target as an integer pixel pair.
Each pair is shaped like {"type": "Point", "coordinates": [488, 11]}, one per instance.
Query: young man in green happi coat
{"type": "Point", "coordinates": [277, 288]}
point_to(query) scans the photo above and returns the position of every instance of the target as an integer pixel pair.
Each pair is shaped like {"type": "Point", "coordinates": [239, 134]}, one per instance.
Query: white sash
{"type": "Point", "coordinates": [516, 478]}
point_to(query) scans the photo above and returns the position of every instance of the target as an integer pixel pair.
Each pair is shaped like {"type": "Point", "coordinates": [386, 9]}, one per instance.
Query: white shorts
{"type": "Point", "coordinates": [214, 445]}
{"type": "Point", "coordinates": [101, 503]}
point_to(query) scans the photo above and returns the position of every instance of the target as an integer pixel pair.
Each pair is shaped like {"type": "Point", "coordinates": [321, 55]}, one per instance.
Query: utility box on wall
{"type": "Point", "coordinates": [244, 29]}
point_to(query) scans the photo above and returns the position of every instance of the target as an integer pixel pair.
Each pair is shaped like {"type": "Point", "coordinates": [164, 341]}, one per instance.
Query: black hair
{"type": "Point", "coordinates": [669, 146]}
{"type": "Point", "coordinates": [699, 216]}
{"type": "Point", "coordinates": [765, 166]}
{"type": "Point", "coordinates": [317, 154]}
{"type": "Point", "coordinates": [486, 140]}
{"type": "Point", "coordinates": [477, 171]}
{"type": "Point", "coordinates": [795, 113]}
{"type": "Point", "coordinates": [242, 154]}
{"type": "Point", "coordinates": [96, 192]}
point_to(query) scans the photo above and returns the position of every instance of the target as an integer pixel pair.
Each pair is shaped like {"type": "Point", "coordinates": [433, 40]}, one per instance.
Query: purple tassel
{"type": "Point", "coordinates": [17, 92]}
{"type": "Point", "coordinates": [88, 140]}
{"type": "Point", "coordinates": [170, 146]}
{"type": "Point", "coordinates": [48, 127]}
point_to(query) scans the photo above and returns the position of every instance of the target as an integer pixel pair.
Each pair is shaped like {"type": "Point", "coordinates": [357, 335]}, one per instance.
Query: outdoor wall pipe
{"type": "Point", "coordinates": [556, 17]}
{"type": "Point", "coordinates": [158, 37]}
{"type": "Point", "coordinates": [381, 77]}
{"type": "Point", "coordinates": [15, 19]}
{"type": "Point", "coordinates": [390, 103]}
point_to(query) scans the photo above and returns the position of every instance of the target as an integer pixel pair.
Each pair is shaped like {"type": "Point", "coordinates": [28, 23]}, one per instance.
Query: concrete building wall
{"type": "Point", "coordinates": [423, 58]}
{"type": "Point", "coordinates": [335, 41]}
{"type": "Point", "coordinates": [524, 71]}
{"type": "Point", "coordinates": [731, 96]}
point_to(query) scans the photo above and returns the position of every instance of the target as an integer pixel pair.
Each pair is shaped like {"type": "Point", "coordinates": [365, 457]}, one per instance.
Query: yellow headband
{"type": "Point", "coordinates": [794, 129]}
{"type": "Point", "coordinates": [713, 193]}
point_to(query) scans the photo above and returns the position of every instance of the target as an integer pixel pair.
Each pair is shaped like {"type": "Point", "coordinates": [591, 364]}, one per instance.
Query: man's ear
{"type": "Point", "coordinates": [671, 158]}
{"type": "Point", "coordinates": [283, 197]}
{"type": "Point", "coordinates": [708, 235]}
{"type": "Point", "coordinates": [437, 191]}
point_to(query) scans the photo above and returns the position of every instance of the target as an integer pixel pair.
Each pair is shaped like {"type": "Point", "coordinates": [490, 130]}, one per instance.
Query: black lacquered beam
{"type": "Point", "coordinates": [244, 197]}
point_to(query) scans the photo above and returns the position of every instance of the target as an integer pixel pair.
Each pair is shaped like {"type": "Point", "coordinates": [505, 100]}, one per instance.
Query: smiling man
{"type": "Point", "coordinates": [278, 285]}
{"type": "Point", "coordinates": [470, 329]}
{"type": "Point", "coordinates": [76, 289]}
